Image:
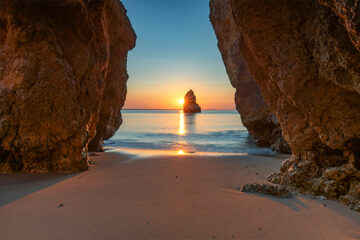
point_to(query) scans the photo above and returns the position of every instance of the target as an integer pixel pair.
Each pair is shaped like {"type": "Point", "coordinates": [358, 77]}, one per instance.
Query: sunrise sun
{"type": "Point", "coordinates": [181, 101]}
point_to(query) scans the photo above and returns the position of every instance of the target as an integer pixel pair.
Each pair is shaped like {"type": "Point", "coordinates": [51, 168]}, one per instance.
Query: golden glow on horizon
{"type": "Point", "coordinates": [142, 95]}
{"type": "Point", "coordinates": [181, 101]}
{"type": "Point", "coordinates": [182, 129]}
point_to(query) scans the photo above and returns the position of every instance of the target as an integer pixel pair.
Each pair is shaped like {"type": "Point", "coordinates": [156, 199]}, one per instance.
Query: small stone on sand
{"type": "Point", "coordinates": [274, 190]}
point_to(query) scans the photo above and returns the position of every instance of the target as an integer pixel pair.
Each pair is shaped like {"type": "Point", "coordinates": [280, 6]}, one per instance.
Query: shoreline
{"type": "Point", "coordinates": [170, 153]}
{"type": "Point", "coordinates": [126, 196]}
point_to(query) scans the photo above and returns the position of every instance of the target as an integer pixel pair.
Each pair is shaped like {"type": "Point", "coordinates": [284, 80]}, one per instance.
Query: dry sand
{"type": "Point", "coordinates": [165, 197]}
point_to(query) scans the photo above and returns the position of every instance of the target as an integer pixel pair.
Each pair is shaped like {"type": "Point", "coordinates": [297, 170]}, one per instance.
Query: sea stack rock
{"type": "Point", "coordinates": [62, 81]}
{"type": "Point", "coordinates": [190, 105]}
{"type": "Point", "coordinates": [304, 57]}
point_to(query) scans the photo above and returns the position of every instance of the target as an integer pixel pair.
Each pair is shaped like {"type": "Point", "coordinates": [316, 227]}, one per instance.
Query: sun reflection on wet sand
{"type": "Point", "coordinates": [154, 152]}
{"type": "Point", "coordinates": [182, 129]}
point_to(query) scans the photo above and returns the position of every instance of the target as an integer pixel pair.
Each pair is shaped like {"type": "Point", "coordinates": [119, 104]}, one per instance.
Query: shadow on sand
{"type": "Point", "coordinates": [298, 202]}
{"type": "Point", "coordinates": [295, 203]}
{"type": "Point", "coordinates": [18, 185]}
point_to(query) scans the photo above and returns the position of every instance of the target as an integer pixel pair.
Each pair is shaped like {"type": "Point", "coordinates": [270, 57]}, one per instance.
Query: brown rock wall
{"type": "Point", "coordinates": [58, 61]}
{"type": "Point", "coordinates": [304, 57]}
{"type": "Point", "coordinates": [254, 112]}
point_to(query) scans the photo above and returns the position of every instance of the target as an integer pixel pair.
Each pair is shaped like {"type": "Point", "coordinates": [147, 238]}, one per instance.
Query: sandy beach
{"type": "Point", "coordinates": [165, 197]}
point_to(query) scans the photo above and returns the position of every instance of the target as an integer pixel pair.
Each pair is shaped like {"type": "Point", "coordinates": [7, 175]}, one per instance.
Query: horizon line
{"type": "Point", "coordinates": [172, 109]}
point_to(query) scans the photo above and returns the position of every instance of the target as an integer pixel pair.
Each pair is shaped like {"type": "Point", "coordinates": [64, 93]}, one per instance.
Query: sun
{"type": "Point", "coordinates": [181, 101]}
{"type": "Point", "coordinates": [180, 152]}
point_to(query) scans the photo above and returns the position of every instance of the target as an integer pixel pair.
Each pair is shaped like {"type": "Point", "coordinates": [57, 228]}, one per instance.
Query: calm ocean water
{"type": "Point", "coordinates": [209, 132]}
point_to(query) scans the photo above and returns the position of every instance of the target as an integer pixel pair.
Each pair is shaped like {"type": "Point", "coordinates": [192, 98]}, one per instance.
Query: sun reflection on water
{"type": "Point", "coordinates": [182, 129]}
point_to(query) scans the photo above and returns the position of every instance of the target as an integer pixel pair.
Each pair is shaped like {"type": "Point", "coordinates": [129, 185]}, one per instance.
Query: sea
{"type": "Point", "coordinates": [175, 132]}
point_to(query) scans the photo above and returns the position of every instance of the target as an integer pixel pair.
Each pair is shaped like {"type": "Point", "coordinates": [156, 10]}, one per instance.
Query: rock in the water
{"type": "Point", "coordinates": [190, 105]}
{"type": "Point", "coordinates": [304, 56]}
{"type": "Point", "coordinates": [62, 81]}
{"type": "Point", "coordinates": [254, 112]}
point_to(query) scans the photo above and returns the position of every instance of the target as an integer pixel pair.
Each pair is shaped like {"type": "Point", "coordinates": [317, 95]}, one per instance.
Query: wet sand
{"type": "Point", "coordinates": [165, 197]}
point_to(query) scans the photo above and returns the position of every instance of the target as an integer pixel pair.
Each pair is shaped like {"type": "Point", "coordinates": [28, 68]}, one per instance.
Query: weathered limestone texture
{"type": "Point", "coordinates": [190, 105]}
{"type": "Point", "coordinates": [254, 112]}
{"type": "Point", "coordinates": [62, 80]}
{"type": "Point", "coordinates": [304, 56]}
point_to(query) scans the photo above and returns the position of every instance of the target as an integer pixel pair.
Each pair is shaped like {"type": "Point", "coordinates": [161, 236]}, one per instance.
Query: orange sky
{"type": "Point", "coordinates": [215, 95]}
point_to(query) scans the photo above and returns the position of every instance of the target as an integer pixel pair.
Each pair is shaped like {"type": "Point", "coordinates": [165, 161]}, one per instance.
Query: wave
{"type": "Point", "coordinates": [208, 132]}
{"type": "Point", "coordinates": [228, 134]}
{"type": "Point", "coordinates": [229, 141]}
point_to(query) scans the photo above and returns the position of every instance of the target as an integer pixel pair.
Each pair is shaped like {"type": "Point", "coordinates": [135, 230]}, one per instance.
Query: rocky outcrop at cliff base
{"type": "Point", "coordinates": [62, 81]}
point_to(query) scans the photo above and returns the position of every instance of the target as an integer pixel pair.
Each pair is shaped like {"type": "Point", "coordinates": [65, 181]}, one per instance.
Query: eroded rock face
{"type": "Point", "coordinates": [348, 13]}
{"type": "Point", "coordinates": [304, 56]}
{"type": "Point", "coordinates": [62, 80]}
{"type": "Point", "coordinates": [190, 105]}
{"type": "Point", "coordinates": [255, 114]}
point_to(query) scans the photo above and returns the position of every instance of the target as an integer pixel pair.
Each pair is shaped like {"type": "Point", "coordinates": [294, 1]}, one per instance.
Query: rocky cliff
{"type": "Point", "coordinates": [304, 56]}
{"type": "Point", "coordinates": [62, 81]}
{"type": "Point", "coordinates": [254, 112]}
{"type": "Point", "coordinates": [190, 105]}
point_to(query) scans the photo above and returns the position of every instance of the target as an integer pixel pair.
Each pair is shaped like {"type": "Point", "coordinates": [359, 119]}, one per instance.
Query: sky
{"type": "Point", "coordinates": [176, 50]}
